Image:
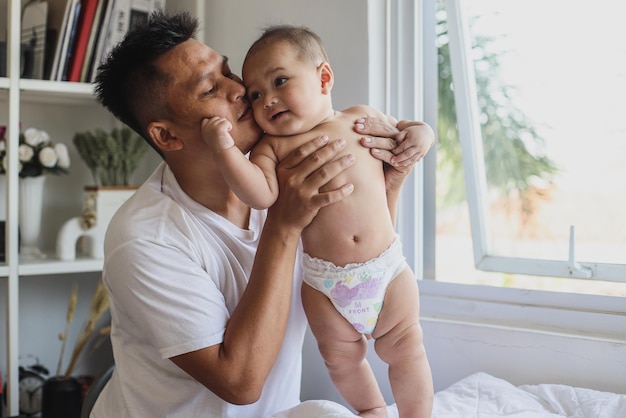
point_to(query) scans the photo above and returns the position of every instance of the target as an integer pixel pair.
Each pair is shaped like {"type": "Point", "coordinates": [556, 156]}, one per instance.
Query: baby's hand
{"type": "Point", "coordinates": [216, 133]}
{"type": "Point", "coordinates": [401, 145]}
{"type": "Point", "coordinates": [414, 141]}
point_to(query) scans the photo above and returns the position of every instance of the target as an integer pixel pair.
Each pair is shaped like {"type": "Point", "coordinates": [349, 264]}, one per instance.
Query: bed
{"type": "Point", "coordinates": [481, 395]}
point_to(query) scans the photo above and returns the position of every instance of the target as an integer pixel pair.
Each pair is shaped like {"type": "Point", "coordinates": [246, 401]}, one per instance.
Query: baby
{"type": "Point", "coordinates": [357, 282]}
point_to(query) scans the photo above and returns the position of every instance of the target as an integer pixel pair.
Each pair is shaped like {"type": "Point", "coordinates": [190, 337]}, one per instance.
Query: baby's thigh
{"type": "Point", "coordinates": [400, 311]}
{"type": "Point", "coordinates": [327, 324]}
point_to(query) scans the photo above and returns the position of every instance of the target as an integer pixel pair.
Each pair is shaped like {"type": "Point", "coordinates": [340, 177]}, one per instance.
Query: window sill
{"type": "Point", "coordinates": [588, 316]}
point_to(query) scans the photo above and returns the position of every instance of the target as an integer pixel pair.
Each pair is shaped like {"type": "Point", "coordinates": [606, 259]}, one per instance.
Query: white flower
{"type": "Point", "coordinates": [37, 155]}
{"type": "Point", "coordinates": [63, 154]}
{"type": "Point", "coordinates": [34, 137]}
{"type": "Point", "coordinates": [5, 164]}
{"type": "Point", "coordinates": [48, 157]}
{"type": "Point", "coordinates": [26, 153]}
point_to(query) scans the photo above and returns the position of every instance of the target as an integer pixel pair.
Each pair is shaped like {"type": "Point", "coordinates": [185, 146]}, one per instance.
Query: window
{"type": "Point", "coordinates": [530, 188]}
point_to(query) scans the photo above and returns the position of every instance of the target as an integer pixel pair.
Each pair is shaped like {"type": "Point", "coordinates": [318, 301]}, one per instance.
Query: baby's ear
{"type": "Point", "coordinates": [326, 76]}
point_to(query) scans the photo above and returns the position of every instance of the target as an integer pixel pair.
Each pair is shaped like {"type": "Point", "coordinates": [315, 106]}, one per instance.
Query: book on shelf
{"type": "Point", "coordinates": [117, 27]}
{"type": "Point", "coordinates": [86, 31]}
{"type": "Point", "coordinates": [83, 31]}
{"type": "Point", "coordinates": [34, 20]}
{"type": "Point", "coordinates": [61, 29]}
{"type": "Point", "coordinates": [72, 12]}
{"type": "Point", "coordinates": [93, 38]}
{"type": "Point", "coordinates": [64, 65]}
{"type": "Point", "coordinates": [103, 33]}
{"type": "Point", "coordinates": [123, 14]}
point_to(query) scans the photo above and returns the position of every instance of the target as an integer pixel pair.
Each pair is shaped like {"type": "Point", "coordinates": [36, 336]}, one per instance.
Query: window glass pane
{"type": "Point", "coordinates": [551, 81]}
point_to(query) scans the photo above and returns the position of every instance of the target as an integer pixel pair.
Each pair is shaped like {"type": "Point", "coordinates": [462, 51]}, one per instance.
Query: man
{"type": "Point", "coordinates": [205, 308]}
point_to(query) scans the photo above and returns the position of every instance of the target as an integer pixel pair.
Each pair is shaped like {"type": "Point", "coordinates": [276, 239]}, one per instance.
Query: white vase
{"type": "Point", "coordinates": [101, 203]}
{"type": "Point", "coordinates": [31, 204]}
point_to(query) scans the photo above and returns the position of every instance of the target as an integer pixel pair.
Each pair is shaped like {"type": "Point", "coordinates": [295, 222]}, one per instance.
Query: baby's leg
{"type": "Point", "coordinates": [343, 350]}
{"type": "Point", "coordinates": [399, 343]}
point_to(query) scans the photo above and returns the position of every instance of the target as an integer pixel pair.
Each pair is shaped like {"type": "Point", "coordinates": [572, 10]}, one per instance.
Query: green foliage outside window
{"type": "Point", "coordinates": [514, 158]}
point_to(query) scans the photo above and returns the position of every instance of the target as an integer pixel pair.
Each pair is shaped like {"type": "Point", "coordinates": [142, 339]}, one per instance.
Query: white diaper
{"type": "Point", "coordinates": [356, 290]}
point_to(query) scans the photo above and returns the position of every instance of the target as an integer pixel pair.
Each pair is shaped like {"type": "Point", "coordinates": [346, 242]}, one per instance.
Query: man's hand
{"type": "Point", "coordinates": [302, 174]}
{"type": "Point", "coordinates": [400, 146]}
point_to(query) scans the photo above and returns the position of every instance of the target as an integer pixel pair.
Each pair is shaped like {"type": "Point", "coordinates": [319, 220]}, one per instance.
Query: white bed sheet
{"type": "Point", "coordinates": [484, 396]}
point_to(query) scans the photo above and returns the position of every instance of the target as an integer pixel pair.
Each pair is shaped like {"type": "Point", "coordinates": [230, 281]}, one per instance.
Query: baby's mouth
{"type": "Point", "coordinates": [279, 114]}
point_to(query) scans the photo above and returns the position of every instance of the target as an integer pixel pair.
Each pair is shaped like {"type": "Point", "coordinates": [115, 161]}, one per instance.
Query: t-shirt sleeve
{"type": "Point", "coordinates": [167, 294]}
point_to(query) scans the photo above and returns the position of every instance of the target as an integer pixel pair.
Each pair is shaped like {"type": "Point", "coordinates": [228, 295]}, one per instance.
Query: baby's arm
{"type": "Point", "coordinates": [246, 179]}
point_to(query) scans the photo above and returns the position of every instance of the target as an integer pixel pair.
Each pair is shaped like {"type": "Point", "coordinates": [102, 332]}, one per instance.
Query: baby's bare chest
{"type": "Point", "coordinates": [283, 146]}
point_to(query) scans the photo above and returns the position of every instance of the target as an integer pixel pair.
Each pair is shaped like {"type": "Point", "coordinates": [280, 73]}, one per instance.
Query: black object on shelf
{"type": "Point", "coordinates": [2, 245]}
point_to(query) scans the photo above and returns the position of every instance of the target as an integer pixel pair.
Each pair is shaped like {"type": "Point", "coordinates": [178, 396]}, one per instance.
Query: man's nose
{"type": "Point", "coordinates": [237, 91]}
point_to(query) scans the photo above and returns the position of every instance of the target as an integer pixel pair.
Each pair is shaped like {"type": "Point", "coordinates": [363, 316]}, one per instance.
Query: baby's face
{"type": "Point", "coordinates": [285, 91]}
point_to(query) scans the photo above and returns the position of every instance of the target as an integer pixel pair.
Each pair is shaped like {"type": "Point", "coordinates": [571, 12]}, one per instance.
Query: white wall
{"type": "Point", "coordinates": [342, 25]}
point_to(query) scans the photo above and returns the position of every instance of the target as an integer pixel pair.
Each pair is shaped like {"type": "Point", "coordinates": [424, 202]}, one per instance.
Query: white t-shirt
{"type": "Point", "coordinates": [175, 272]}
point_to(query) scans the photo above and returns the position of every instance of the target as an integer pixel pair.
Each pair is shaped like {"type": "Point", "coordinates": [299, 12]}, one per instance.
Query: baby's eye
{"type": "Point", "coordinates": [280, 81]}
{"type": "Point", "coordinates": [254, 95]}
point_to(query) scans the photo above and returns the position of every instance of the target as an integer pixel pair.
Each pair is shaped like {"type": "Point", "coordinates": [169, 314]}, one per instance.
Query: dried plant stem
{"type": "Point", "coordinates": [99, 305]}
{"type": "Point", "coordinates": [71, 309]}
{"type": "Point", "coordinates": [102, 337]}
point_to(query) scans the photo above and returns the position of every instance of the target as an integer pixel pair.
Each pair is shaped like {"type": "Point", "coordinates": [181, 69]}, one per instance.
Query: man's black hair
{"type": "Point", "coordinates": [128, 83]}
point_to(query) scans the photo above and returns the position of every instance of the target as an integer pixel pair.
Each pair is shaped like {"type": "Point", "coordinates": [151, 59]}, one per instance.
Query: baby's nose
{"type": "Point", "coordinates": [269, 102]}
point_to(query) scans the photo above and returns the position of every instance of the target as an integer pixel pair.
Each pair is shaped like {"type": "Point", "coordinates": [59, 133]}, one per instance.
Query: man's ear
{"type": "Point", "coordinates": [163, 137]}
{"type": "Point", "coordinates": [326, 76]}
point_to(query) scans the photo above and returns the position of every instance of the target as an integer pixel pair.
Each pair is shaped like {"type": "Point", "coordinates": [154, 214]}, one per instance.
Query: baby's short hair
{"type": "Point", "coordinates": [308, 44]}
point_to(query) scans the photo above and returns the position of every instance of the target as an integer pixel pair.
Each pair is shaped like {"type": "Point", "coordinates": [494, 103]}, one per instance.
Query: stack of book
{"type": "Point", "coordinates": [87, 32]}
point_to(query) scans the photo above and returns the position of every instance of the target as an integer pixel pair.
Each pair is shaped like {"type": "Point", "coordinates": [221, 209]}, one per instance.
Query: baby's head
{"type": "Point", "coordinates": [289, 79]}
{"type": "Point", "coordinates": [305, 42]}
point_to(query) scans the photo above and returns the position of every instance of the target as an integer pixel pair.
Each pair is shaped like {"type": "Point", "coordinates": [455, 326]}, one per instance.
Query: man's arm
{"type": "Point", "coordinates": [400, 147]}
{"type": "Point", "coordinates": [236, 370]}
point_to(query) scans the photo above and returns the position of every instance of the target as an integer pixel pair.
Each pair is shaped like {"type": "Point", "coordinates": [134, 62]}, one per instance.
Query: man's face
{"type": "Point", "coordinates": [203, 86]}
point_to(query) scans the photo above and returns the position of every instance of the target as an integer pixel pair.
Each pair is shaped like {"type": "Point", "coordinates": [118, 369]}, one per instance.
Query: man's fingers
{"type": "Point", "coordinates": [303, 152]}
{"type": "Point", "coordinates": [313, 165]}
{"type": "Point", "coordinates": [374, 127]}
{"type": "Point", "coordinates": [311, 159]}
{"type": "Point", "coordinates": [323, 175]}
{"type": "Point", "coordinates": [384, 143]}
{"type": "Point", "coordinates": [405, 159]}
{"type": "Point", "coordinates": [332, 196]}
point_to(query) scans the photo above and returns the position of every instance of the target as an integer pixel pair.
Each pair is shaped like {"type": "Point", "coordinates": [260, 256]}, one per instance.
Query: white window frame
{"type": "Point", "coordinates": [470, 135]}
{"type": "Point", "coordinates": [580, 315]}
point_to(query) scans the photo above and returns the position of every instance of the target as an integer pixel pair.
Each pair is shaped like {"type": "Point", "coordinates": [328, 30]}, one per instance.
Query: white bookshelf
{"type": "Point", "coordinates": [61, 97]}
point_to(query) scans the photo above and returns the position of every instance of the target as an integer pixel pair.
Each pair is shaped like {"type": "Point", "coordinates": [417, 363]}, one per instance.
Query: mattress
{"type": "Point", "coordinates": [481, 395]}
